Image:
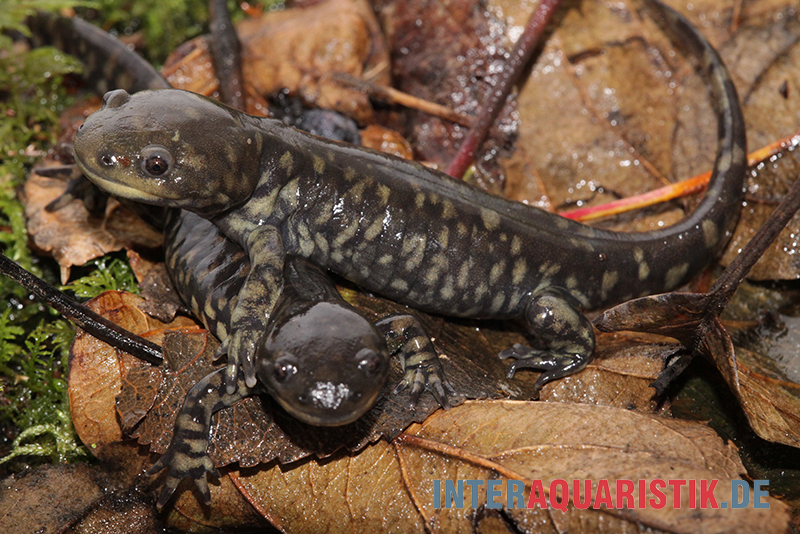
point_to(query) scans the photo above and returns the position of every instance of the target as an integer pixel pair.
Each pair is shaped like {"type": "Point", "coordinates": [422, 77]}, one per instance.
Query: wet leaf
{"type": "Point", "coordinates": [770, 402]}
{"type": "Point", "coordinates": [96, 369]}
{"type": "Point", "coordinates": [389, 487]}
{"type": "Point", "coordinates": [455, 71]}
{"type": "Point", "coordinates": [75, 498]}
{"type": "Point", "coordinates": [767, 185]}
{"type": "Point", "coordinates": [161, 300]}
{"type": "Point", "coordinates": [35, 503]}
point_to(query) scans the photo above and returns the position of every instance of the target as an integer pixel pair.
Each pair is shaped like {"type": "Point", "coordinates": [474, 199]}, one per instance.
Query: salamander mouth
{"type": "Point", "coordinates": [126, 191]}
{"type": "Point", "coordinates": [341, 414]}
{"type": "Point", "coordinates": [117, 189]}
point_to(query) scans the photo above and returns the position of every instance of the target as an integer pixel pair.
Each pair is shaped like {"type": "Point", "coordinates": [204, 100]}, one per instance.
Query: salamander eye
{"type": "Point", "coordinates": [284, 368]}
{"type": "Point", "coordinates": [369, 362]}
{"type": "Point", "coordinates": [156, 160]}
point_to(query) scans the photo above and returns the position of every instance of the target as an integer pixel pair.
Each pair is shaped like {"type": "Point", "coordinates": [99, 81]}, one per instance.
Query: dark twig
{"type": "Point", "coordinates": [226, 53]}
{"type": "Point", "coordinates": [726, 284]}
{"type": "Point", "coordinates": [91, 322]}
{"type": "Point", "coordinates": [520, 57]}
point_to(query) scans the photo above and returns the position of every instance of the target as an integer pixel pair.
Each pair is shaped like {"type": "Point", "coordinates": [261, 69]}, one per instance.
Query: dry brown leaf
{"type": "Point", "coordinates": [298, 50]}
{"type": "Point", "coordinates": [71, 234]}
{"type": "Point", "coordinates": [389, 487]}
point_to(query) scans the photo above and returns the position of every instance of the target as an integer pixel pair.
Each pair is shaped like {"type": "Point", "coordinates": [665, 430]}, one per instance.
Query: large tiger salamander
{"type": "Point", "coordinates": [397, 228]}
{"type": "Point", "coordinates": [323, 362]}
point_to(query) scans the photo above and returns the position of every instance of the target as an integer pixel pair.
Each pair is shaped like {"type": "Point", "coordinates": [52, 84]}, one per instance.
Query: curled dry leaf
{"type": "Point", "coordinates": [71, 234]}
{"type": "Point", "coordinates": [390, 487]}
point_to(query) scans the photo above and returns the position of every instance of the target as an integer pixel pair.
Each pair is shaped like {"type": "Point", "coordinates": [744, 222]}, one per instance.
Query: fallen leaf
{"type": "Point", "coordinates": [35, 502]}
{"type": "Point", "coordinates": [766, 187]}
{"type": "Point", "coordinates": [770, 402]}
{"type": "Point", "coordinates": [298, 50]}
{"type": "Point", "coordinates": [391, 486]}
{"type": "Point", "coordinates": [455, 71]}
{"type": "Point", "coordinates": [71, 234]}
{"type": "Point", "coordinates": [96, 369]}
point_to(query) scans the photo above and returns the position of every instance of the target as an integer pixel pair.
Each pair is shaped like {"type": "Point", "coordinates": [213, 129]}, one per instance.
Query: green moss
{"type": "Point", "coordinates": [165, 24]}
{"type": "Point", "coordinates": [33, 342]}
{"type": "Point", "coordinates": [33, 370]}
{"type": "Point", "coordinates": [110, 274]}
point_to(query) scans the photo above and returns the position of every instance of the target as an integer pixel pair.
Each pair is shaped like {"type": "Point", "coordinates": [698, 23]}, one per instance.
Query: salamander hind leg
{"type": "Point", "coordinates": [421, 366]}
{"type": "Point", "coordinates": [555, 320]}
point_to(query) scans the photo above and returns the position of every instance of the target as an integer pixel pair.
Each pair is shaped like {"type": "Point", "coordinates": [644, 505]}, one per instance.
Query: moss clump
{"type": "Point", "coordinates": [34, 343]}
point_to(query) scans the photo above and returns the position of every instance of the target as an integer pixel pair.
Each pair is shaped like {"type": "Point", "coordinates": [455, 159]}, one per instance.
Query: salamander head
{"type": "Point", "coordinates": [170, 148]}
{"type": "Point", "coordinates": [325, 366]}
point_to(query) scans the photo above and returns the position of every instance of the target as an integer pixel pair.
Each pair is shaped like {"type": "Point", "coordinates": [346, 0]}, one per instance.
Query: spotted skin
{"type": "Point", "coordinates": [186, 455]}
{"type": "Point", "coordinates": [397, 228]}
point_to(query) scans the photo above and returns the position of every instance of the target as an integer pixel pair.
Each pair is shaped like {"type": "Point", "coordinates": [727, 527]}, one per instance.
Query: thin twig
{"type": "Point", "coordinates": [91, 322]}
{"type": "Point", "coordinates": [393, 96]}
{"type": "Point", "coordinates": [733, 275]}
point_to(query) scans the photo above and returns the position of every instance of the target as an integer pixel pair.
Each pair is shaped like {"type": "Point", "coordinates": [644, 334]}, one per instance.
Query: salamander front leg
{"type": "Point", "coordinates": [423, 370]}
{"type": "Point", "coordinates": [255, 304]}
{"type": "Point", "coordinates": [187, 453]}
{"type": "Point", "coordinates": [554, 319]}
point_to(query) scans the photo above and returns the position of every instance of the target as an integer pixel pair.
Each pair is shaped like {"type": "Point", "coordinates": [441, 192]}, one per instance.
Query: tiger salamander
{"type": "Point", "coordinates": [397, 228]}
